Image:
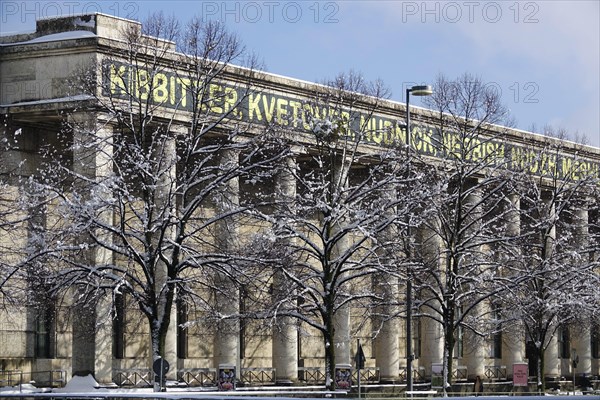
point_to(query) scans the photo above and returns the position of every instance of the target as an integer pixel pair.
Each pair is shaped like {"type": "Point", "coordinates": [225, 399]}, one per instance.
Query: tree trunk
{"type": "Point", "coordinates": [329, 356]}
{"type": "Point", "coordinates": [445, 374]}
{"type": "Point", "coordinates": [329, 363]}
{"type": "Point", "coordinates": [541, 380]}
{"type": "Point", "coordinates": [159, 326]}
{"type": "Point", "coordinates": [448, 360]}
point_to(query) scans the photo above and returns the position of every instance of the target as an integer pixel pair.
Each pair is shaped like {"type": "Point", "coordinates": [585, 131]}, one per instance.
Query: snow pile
{"type": "Point", "coordinates": [23, 388]}
{"type": "Point", "coordinates": [79, 384]}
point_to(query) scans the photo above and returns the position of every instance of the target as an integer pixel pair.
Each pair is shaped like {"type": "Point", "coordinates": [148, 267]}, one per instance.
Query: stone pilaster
{"type": "Point", "coordinates": [165, 155]}
{"type": "Point", "coordinates": [226, 346]}
{"type": "Point", "coordinates": [103, 341]}
{"type": "Point", "coordinates": [92, 158]}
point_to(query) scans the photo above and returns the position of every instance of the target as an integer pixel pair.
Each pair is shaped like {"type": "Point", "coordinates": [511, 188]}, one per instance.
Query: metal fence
{"type": "Point", "coordinates": [315, 375]}
{"type": "Point", "coordinates": [52, 378]}
{"type": "Point", "coordinates": [198, 376]}
{"type": "Point", "coordinates": [460, 373]}
{"type": "Point", "coordinates": [367, 375]}
{"type": "Point", "coordinates": [133, 377]}
{"type": "Point", "coordinates": [258, 376]}
{"type": "Point", "coordinates": [494, 372]}
{"type": "Point", "coordinates": [207, 377]}
{"type": "Point", "coordinates": [418, 374]}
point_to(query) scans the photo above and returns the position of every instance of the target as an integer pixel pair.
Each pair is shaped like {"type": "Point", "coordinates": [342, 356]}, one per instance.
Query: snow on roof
{"type": "Point", "coordinates": [86, 14]}
{"type": "Point", "coordinates": [55, 37]}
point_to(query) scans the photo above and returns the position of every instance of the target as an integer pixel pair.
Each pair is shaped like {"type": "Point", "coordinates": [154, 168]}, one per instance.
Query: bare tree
{"type": "Point", "coordinates": [460, 271]}
{"type": "Point", "coordinates": [7, 270]}
{"type": "Point", "coordinates": [560, 133]}
{"type": "Point", "coordinates": [12, 221]}
{"type": "Point", "coordinates": [17, 216]}
{"type": "Point", "coordinates": [337, 228]}
{"type": "Point", "coordinates": [558, 253]}
{"type": "Point", "coordinates": [151, 202]}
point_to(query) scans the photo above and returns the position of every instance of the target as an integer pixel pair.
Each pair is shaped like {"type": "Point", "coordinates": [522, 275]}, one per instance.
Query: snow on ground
{"type": "Point", "coordinates": [87, 386]}
{"type": "Point", "coordinates": [79, 384]}
{"type": "Point", "coordinates": [23, 388]}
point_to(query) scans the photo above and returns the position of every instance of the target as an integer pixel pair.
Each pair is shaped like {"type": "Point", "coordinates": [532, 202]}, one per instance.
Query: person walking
{"type": "Point", "coordinates": [478, 386]}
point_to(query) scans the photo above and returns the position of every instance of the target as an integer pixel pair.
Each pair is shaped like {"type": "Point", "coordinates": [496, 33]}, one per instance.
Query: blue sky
{"type": "Point", "coordinates": [543, 56]}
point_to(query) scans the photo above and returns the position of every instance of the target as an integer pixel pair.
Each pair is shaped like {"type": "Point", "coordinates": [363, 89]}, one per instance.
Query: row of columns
{"type": "Point", "coordinates": [94, 351]}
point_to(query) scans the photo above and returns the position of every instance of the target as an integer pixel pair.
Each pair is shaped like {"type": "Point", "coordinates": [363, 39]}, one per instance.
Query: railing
{"type": "Point", "coordinates": [53, 378]}
{"type": "Point", "coordinates": [208, 376]}
{"type": "Point", "coordinates": [494, 372]}
{"type": "Point", "coordinates": [11, 378]}
{"type": "Point", "coordinates": [316, 375]}
{"type": "Point", "coordinates": [311, 374]}
{"type": "Point", "coordinates": [136, 377]}
{"type": "Point", "coordinates": [198, 376]}
{"type": "Point", "coordinates": [460, 373]}
{"type": "Point", "coordinates": [258, 376]}
{"type": "Point", "coordinates": [367, 375]}
{"type": "Point", "coordinates": [418, 374]}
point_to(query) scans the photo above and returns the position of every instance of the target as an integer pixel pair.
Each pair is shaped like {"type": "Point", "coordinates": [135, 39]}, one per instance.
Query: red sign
{"type": "Point", "coordinates": [520, 372]}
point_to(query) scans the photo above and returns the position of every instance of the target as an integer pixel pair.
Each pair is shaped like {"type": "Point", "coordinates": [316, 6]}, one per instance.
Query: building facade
{"type": "Point", "coordinates": [41, 99]}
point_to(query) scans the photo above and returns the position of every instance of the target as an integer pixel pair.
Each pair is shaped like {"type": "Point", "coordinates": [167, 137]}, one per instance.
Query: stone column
{"type": "Point", "coordinates": [92, 158]}
{"type": "Point", "coordinates": [474, 346]}
{"type": "Point", "coordinates": [285, 337]}
{"type": "Point", "coordinates": [475, 349]}
{"type": "Point", "coordinates": [432, 349]}
{"type": "Point", "coordinates": [582, 337]}
{"type": "Point", "coordinates": [387, 326]}
{"type": "Point", "coordinates": [552, 361]}
{"type": "Point", "coordinates": [432, 334]}
{"type": "Point", "coordinates": [226, 339]}
{"type": "Point", "coordinates": [387, 341]}
{"type": "Point", "coordinates": [513, 337]}
{"type": "Point", "coordinates": [341, 321]}
{"type": "Point", "coordinates": [341, 340]}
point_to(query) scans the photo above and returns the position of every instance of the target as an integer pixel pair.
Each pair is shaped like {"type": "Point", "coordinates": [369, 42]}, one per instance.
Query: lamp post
{"type": "Point", "coordinates": [421, 90]}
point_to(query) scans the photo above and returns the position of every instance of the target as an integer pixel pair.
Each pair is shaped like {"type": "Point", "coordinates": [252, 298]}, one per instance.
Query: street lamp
{"type": "Point", "coordinates": [420, 90]}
